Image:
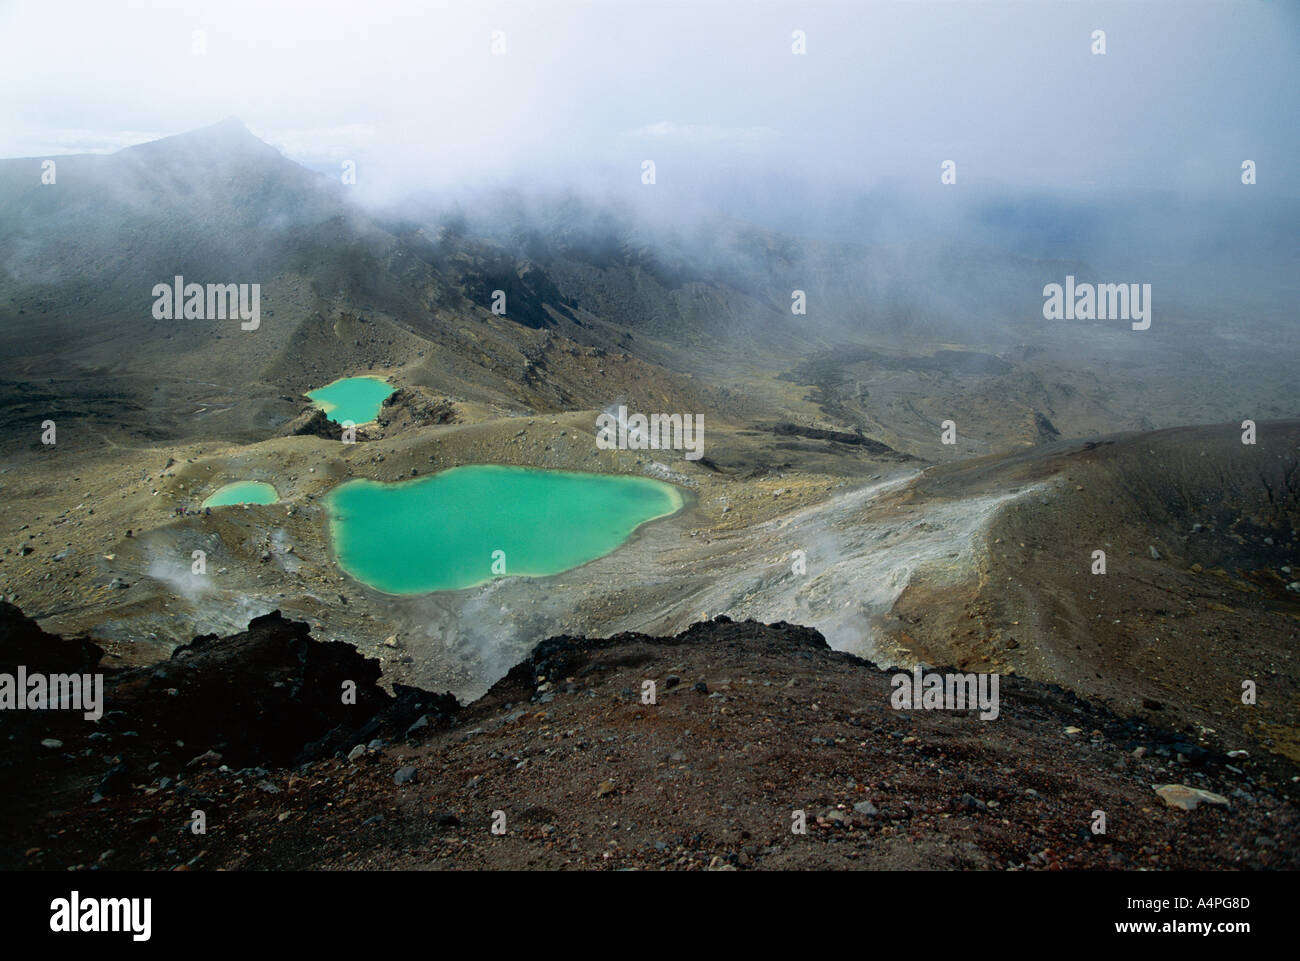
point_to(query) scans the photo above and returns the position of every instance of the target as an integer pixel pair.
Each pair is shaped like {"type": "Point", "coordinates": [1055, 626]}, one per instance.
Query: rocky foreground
{"type": "Point", "coordinates": [561, 765]}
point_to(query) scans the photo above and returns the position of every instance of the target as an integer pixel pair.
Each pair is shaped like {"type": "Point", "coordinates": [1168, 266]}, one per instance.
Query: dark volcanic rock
{"type": "Point", "coordinates": [416, 406]}
{"type": "Point", "coordinates": [258, 696]}
{"type": "Point", "coordinates": [558, 657]}
{"type": "Point", "coordinates": [23, 642]}
{"type": "Point", "coordinates": [875, 447]}
{"type": "Point", "coordinates": [921, 789]}
{"type": "Point", "coordinates": [270, 695]}
{"type": "Point", "coordinates": [314, 423]}
{"type": "Point", "coordinates": [1045, 429]}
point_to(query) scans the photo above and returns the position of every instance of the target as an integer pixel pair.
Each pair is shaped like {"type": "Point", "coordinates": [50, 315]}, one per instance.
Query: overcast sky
{"type": "Point", "coordinates": [414, 94]}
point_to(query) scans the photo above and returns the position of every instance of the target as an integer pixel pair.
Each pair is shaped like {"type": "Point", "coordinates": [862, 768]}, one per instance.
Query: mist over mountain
{"type": "Point", "coordinates": [219, 203]}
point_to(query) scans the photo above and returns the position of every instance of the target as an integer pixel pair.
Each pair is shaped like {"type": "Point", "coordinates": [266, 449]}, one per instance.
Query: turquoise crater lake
{"type": "Point", "coordinates": [357, 399]}
{"type": "Point", "coordinates": [444, 532]}
{"type": "Point", "coordinates": [242, 492]}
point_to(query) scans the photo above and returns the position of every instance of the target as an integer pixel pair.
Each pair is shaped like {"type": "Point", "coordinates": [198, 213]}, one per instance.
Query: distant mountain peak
{"type": "Point", "coordinates": [224, 138]}
{"type": "Point", "coordinates": [230, 130]}
{"type": "Point", "coordinates": [231, 125]}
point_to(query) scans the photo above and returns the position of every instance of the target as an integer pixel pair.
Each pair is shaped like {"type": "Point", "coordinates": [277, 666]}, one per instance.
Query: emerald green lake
{"type": "Point", "coordinates": [441, 533]}
{"type": "Point", "coordinates": [357, 399]}
{"type": "Point", "coordinates": [243, 492]}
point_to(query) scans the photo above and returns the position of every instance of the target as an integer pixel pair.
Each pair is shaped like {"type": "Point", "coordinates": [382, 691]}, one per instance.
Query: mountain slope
{"type": "Point", "coordinates": [561, 765]}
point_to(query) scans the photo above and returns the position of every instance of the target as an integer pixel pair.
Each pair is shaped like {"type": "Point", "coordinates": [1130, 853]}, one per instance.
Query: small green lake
{"type": "Point", "coordinates": [243, 492]}
{"type": "Point", "coordinates": [357, 399]}
{"type": "Point", "coordinates": [467, 525]}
